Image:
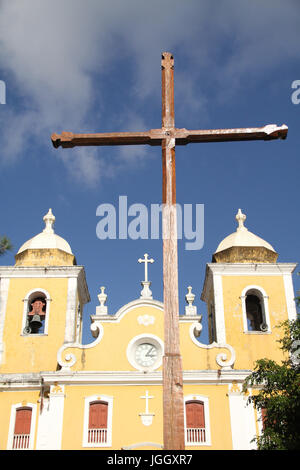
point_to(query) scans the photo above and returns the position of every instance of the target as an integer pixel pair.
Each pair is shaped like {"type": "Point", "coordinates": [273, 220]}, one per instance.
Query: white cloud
{"type": "Point", "coordinates": [57, 53]}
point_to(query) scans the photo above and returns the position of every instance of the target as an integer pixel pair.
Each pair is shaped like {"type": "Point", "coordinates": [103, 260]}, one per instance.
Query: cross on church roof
{"type": "Point", "coordinates": [146, 292]}
{"type": "Point", "coordinates": [146, 260]}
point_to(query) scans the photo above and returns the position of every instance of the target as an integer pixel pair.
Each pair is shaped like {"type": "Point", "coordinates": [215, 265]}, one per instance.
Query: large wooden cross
{"type": "Point", "coordinates": [168, 136]}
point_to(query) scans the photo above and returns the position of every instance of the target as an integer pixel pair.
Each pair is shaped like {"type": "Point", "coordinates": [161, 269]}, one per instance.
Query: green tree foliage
{"type": "Point", "coordinates": [5, 245]}
{"type": "Point", "coordinates": [279, 393]}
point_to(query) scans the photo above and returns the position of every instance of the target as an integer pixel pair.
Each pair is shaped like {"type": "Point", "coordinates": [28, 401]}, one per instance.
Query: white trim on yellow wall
{"type": "Point", "coordinates": [290, 296]}
{"type": "Point", "coordinates": [242, 419]}
{"type": "Point", "coordinates": [49, 272]}
{"type": "Point", "coordinates": [4, 287]}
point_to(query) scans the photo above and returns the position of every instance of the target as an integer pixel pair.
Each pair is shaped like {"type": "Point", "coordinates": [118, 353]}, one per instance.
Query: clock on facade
{"type": "Point", "coordinates": [145, 352]}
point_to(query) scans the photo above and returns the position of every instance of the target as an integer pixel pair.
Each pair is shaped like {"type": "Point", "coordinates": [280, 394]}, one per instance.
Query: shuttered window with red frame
{"type": "Point", "coordinates": [195, 414]}
{"type": "Point", "coordinates": [98, 415]}
{"type": "Point", "coordinates": [23, 420]}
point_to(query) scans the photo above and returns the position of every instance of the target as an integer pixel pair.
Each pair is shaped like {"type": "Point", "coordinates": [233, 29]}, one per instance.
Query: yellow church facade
{"type": "Point", "coordinates": [57, 393]}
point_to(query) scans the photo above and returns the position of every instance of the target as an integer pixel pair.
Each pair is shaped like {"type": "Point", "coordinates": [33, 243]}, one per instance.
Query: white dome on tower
{"type": "Point", "coordinates": [46, 248]}
{"type": "Point", "coordinates": [244, 246]}
{"type": "Point", "coordinates": [242, 236]}
{"type": "Point", "coordinates": [47, 238]}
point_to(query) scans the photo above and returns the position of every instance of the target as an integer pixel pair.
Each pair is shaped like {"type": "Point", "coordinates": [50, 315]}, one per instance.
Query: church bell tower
{"type": "Point", "coordinates": [248, 293]}
{"type": "Point", "coordinates": [41, 302]}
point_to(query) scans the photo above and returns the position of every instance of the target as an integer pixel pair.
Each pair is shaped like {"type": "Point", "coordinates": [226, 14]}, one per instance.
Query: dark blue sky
{"type": "Point", "coordinates": [95, 66]}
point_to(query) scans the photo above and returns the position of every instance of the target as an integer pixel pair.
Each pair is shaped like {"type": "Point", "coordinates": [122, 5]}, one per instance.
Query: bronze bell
{"type": "Point", "coordinates": [35, 323]}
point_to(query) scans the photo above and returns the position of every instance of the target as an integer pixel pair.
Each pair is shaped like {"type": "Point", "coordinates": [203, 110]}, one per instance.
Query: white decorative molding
{"type": "Point", "coordinates": [117, 317]}
{"type": "Point", "coordinates": [143, 444]}
{"type": "Point", "coordinates": [290, 296]}
{"type": "Point", "coordinates": [221, 359]}
{"type": "Point", "coordinates": [71, 311]}
{"type": "Point", "coordinates": [242, 419]}
{"type": "Point", "coordinates": [219, 309]}
{"type": "Point", "coordinates": [4, 287]}
{"type": "Point", "coordinates": [250, 269]}
{"type": "Point", "coordinates": [243, 269]}
{"type": "Point", "coordinates": [50, 426]}
{"type": "Point", "coordinates": [49, 272]}
{"type": "Point", "coordinates": [22, 382]}
{"type": "Point", "coordinates": [146, 320]}
{"type": "Point", "coordinates": [67, 361]}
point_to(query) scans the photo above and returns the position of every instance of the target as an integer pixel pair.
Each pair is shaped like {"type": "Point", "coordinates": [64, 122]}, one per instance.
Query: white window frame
{"type": "Point", "coordinates": [265, 308]}
{"type": "Point", "coordinates": [205, 401]}
{"type": "Point", "coordinates": [87, 401]}
{"type": "Point", "coordinates": [12, 423]}
{"type": "Point", "coordinates": [25, 311]}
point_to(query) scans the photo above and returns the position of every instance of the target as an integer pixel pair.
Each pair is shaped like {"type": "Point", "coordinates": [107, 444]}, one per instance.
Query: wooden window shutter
{"type": "Point", "coordinates": [195, 414]}
{"type": "Point", "coordinates": [23, 420]}
{"type": "Point", "coordinates": [263, 417]}
{"type": "Point", "coordinates": [98, 415]}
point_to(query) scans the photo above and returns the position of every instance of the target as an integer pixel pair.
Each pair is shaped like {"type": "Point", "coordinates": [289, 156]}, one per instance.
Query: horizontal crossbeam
{"type": "Point", "coordinates": [182, 136]}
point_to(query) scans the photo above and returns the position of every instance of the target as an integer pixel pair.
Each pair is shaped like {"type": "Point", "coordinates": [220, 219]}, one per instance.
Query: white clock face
{"type": "Point", "coordinates": [146, 354]}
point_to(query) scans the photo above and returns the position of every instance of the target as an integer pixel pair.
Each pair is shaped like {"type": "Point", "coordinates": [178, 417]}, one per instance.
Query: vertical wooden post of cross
{"type": "Point", "coordinates": [172, 363]}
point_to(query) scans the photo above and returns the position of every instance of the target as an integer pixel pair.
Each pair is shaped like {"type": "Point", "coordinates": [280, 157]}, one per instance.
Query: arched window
{"type": "Point", "coordinates": [195, 421]}
{"type": "Point", "coordinates": [98, 422]}
{"type": "Point", "coordinates": [97, 426]}
{"type": "Point", "coordinates": [36, 312]}
{"type": "Point", "coordinates": [255, 310]}
{"type": "Point", "coordinates": [22, 428]}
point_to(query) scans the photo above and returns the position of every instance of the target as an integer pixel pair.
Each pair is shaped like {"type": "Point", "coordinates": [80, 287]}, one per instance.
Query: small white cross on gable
{"type": "Point", "coordinates": [146, 292]}
{"type": "Point", "coordinates": [146, 260]}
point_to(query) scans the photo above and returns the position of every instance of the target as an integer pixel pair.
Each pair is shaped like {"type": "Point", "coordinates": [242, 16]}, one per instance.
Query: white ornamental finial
{"type": "Point", "coordinates": [146, 292]}
{"type": "Point", "coordinates": [240, 217]}
{"type": "Point", "coordinates": [102, 309]}
{"type": "Point", "coordinates": [190, 309]}
{"type": "Point", "coordinates": [49, 220]}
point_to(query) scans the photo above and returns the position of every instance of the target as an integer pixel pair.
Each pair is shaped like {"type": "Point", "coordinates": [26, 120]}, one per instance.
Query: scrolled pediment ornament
{"type": "Point", "coordinates": [224, 360]}
{"type": "Point", "coordinates": [66, 361]}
